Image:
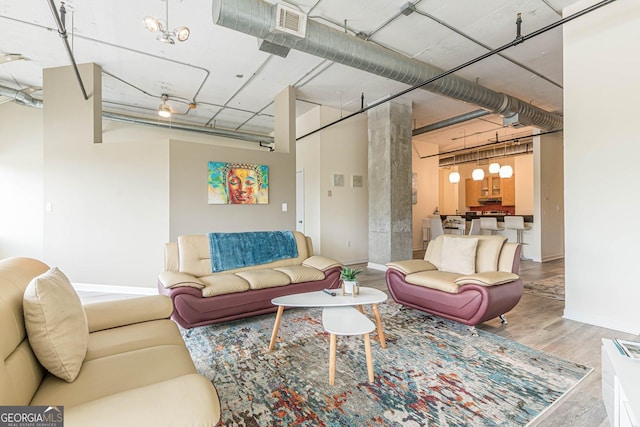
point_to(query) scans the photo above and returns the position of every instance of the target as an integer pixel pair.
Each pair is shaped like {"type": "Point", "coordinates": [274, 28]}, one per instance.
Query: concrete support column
{"type": "Point", "coordinates": [389, 183]}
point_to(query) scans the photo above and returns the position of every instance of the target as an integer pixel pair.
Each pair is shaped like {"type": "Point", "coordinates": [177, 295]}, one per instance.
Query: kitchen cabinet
{"type": "Point", "coordinates": [508, 191]}
{"type": "Point", "coordinates": [490, 189]}
{"type": "Point", "coordinates": [473, 191]}
{"type": "Point", "coordinates": [491, 186]}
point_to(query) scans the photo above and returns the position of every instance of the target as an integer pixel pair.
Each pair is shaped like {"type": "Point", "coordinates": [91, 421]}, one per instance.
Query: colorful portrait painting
{"type": "Point", "coordinates": [238, 184]}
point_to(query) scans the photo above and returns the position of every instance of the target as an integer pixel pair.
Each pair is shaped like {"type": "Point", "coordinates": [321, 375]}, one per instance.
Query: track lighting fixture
{"type": "Point", "coordinates": [158, 25]}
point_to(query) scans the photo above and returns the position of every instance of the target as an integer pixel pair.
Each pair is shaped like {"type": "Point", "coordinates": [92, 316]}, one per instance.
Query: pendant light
{"type": "Point", "coordinates": [506, 171]}
{"type": "Point", "coordinates": [454, 177]}
{"type": "Point", "coordinates": [494, 167]}
{"type": "Point", "coordinates": [478, 174]}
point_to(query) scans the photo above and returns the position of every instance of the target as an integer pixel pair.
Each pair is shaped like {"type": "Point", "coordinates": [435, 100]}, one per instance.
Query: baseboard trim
{"type": "Point", "coordinates": [601, 321]}
{"type": "Point", "coordinates": [375, 266]}
{"type": "Point", "coordinates": [552, 257]}
{"type": "Point", "coordinates": [108, 289]}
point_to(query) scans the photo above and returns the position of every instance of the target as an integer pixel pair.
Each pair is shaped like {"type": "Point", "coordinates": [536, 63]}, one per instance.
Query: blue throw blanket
{"type": "Point", "coordinates": [237, 250]}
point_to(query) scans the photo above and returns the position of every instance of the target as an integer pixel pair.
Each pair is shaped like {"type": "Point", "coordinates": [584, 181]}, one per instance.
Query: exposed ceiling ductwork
{"type": "Point", "coordinates": [257, 18]}
{"type": "Point", "coordinates": [20, 97]}
{"type": "Point", "coordinates": [26, 99]}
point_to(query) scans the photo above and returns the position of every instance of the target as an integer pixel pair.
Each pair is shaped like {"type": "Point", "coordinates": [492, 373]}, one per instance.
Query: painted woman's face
{"type": "Point", "coordinates": [242, 186]}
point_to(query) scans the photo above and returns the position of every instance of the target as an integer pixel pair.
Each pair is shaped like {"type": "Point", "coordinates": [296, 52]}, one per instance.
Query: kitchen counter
{"type": "Point", "coordinates": [498, 217]}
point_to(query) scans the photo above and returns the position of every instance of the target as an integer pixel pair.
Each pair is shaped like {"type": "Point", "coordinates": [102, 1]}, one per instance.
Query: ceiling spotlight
{"type": "Point", "coordinates": [182, 33]}
{"type": "Point", "coordinates": [152, 24]}
{"type": "Point", "coordinates": [163, 109]}
{"type": "Point", "coordinates": [162, 26]}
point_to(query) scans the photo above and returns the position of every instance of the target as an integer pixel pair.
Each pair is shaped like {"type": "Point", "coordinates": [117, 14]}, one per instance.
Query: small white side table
{"type": "Point", "coordinates": [347, 321]}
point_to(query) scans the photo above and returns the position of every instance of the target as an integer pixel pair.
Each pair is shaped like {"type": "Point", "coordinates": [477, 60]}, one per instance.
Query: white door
{"type": "Point", "coordinates": [300, 201]}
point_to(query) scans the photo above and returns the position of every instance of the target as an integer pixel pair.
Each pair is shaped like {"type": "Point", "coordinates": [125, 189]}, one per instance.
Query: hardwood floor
{"type": "Point", "coordinates": [536, 322]}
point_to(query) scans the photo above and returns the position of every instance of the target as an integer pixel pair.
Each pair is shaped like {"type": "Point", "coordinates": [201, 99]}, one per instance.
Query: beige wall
{"type": "Point", "coordinates": [548, 235]}
{"type": "Point", "coordinates": [601, 91]}
{"type": "Point", "coordinates": [337, 222]}
{"type": "Point", "coordinates": [114, 204]}
{"type": "Point", "coordinates": [189, 211]}
{"type": "Point", "coordinates": [21, 162]}
{"type": "Point", "coordinates": [428, 191]}
{"type": "Point", "coordinates": [524, 184]}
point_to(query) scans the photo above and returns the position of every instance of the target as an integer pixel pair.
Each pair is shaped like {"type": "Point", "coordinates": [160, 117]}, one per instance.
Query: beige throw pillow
{"type": "Point", "coordinates": [459, 255]}
{"type": "Point", "coordinates": [56, 324]}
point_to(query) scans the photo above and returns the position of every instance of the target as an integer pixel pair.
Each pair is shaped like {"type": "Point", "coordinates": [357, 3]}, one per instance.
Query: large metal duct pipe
{"type": "Point", "coordinates": [123, 118]}
{"type": "Point", "coordinates": [20, 97]}
{"type": "Point", "coordinates": [257, 18]}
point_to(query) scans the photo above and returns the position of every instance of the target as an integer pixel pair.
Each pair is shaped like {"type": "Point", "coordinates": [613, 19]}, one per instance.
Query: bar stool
{"type": "Point", "coordinates": [456, 223]}
{"type": "Point", "coordinates": [475, 230]}
{"type": "Point", "coordinates": [490, 224]}
{"type": "Point", "coordinates": [435, 229]}
{"type": "Point", "coordinates": [516, 223]}
{"type": "Point", "coordinates": [426, 229]}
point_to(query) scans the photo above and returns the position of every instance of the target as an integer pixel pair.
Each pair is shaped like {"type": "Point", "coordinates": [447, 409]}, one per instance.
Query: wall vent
{"type": "Point", "coordinates": [290, 21]}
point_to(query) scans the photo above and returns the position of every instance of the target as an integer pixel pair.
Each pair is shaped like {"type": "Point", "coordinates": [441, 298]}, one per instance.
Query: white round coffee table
{"type": "Point", "coordinates": [367, 296]}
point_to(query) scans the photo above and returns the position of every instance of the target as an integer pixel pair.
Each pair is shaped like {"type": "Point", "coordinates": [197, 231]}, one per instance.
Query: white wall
{"type": "Point", "coordinates": [337, 223]}
{"type": "Point", "coordinates": [601, 90]}
{"type": "Point", "coordinates": [21, 212]}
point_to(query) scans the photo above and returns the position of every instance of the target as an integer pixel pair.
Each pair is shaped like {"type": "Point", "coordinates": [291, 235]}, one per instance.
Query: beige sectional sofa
{"type": "Point", "coordinates": [130, 365]}
{"type": "Point", "coordinates": [202, 297]}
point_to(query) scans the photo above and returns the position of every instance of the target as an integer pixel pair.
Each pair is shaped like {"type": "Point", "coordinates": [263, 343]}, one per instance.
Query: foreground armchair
{"type": "Point", "coordinates": [469, 279]}
{"type": "Point", "coordinates": [115, 363]}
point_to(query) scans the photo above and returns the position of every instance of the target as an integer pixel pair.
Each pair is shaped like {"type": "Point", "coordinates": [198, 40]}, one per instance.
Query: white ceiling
{"type": "Point", "coordinates": [233, 83]}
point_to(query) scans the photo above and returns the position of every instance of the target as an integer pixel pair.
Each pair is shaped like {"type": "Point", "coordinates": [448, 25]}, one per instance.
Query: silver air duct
{"type": "Point", "coordinates": [20, 97]}
{"type": "Point", "coordinates": [26, 99]}
{"type": "Point", "coordinates": [257, 18]}
{"type": "Point", "coordinates": [243, 136]}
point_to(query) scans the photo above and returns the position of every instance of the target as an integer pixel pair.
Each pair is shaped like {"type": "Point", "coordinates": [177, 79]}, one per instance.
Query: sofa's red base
{"type": "Point", "coordinates": [473, 304]}
{"type": "Point", "coordinates": [191, 309]}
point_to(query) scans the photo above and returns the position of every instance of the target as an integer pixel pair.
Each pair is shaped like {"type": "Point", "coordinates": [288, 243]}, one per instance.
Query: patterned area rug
{"type": "Point", "coordinates": [433, 373]}
{"type": "Point", "coordinates": [553, 287]}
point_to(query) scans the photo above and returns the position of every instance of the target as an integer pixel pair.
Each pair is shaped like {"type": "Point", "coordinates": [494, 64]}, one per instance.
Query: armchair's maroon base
{"type": "Point", "coordinates": [472, 305]}
{"type": "Point", "coordinates": [191, 309]}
